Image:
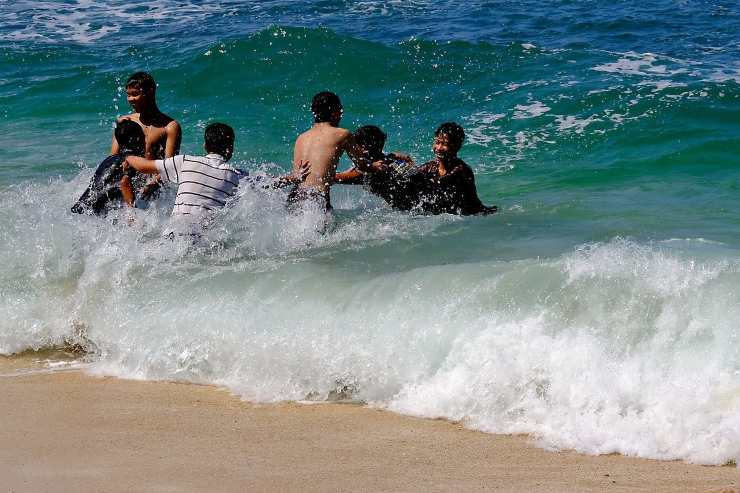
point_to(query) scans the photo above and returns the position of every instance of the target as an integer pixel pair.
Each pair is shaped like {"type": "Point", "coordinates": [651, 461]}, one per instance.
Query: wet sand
{"type": "Point", "coordinates": [68, 431]}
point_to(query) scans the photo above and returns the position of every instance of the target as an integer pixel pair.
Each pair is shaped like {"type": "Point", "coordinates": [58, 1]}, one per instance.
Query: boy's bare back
{"type": "Point", "coordinates": [321, 146]}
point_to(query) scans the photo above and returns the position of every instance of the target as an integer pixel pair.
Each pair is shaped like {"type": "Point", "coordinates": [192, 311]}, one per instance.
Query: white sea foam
{"type": "Point", "coordinates": [661, 84]}
{"type": "Point", "coordinates": [480, 129]}
{"type": "Point", "coordinates": [532, 110]}
{"type": "Point", "coordinates": [570, 122]}
{"type": "Point", "coordinates": [612, 347]}
{"type": "Point", "coordinates": [86, 21]}
{"type": "Point", "coordinates": [646, 64]}
{"type": "Point", "coordinates": [513, 86]}
{"type": "Point", "coordinates": [724, 75]}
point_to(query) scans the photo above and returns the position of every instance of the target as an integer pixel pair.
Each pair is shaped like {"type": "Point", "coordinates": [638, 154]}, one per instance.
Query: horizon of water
{"type": "Point", "coordinates": [598, 311]}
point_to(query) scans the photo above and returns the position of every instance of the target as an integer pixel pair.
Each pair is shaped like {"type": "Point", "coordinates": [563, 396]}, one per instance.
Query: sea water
{"type": "Point", "coordinates": [598, 311]}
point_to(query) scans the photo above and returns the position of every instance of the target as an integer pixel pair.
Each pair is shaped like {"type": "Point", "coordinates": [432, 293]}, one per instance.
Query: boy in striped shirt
{"type": "Point", "coordinates": [205, 182]}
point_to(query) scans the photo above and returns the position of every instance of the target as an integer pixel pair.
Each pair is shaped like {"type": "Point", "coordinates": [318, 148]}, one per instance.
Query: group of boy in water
{"type": "Point", "coordinates": [144, 155]}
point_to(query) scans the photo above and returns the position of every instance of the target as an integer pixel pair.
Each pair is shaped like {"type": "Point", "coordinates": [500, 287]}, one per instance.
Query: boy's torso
{"type": "Point", "coordinates": [453, 193]}
{"type": "Point", "coordinates": [155, 134]}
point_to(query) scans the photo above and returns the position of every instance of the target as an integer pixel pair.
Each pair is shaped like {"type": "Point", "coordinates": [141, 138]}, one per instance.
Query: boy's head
{"type": "Point", "coordinates": [140, 90]}
{"type": "Point", "coordinates": [326, 107]}
{"type": "Point", "coordinates": [219, 139]}
{"type": "Point", "coordinates": [371, 139]}
{"type": "Point", "coordinates": [130, 137]}
{"type": "Point", "coordinates": [448, 139]}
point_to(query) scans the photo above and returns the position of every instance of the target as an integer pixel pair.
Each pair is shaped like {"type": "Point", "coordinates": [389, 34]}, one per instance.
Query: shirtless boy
{"type": "Point", "coordinates": [322, 146]}
{"type": "Point", "coordinates": [162, 133]}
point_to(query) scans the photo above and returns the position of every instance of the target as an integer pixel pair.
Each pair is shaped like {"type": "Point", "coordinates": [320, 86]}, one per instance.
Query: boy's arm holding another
{"type": "Point", "coordinates": [147, 166]}
{"type": "Point", "coordinates": [140, 164]}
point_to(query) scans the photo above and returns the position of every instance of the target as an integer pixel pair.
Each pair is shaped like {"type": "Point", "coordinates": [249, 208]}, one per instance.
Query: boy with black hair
{"type": "Point", "coordinates": [105, 190]}
{"type": "Point", "coordinates": [322, 145]}
{"type": "Point", "coordinates": [162, 133]}
{"type": "Point", "coordinates": [450, 182]}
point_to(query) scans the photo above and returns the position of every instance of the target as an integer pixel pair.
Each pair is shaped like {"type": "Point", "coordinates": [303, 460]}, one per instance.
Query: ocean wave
{"type": "Point", "coordinates": [616, 346]}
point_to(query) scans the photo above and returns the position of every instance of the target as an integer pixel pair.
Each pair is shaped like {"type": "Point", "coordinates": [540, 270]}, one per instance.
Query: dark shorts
{"type": "Point", "coordinates": [300, 198]}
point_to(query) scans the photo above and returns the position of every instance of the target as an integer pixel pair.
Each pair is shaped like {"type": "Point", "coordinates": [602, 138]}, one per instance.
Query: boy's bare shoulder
{"type": "Point", "coordinates": [173, 126]}
{"type": "Point", "coordinates": [303, 136]}
{"type": "Point", "coordinates": [131, 116]}
{"type": "Point", "coordinates": [341, 134]}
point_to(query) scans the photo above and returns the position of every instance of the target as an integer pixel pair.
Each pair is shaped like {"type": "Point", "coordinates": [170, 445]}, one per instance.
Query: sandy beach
{"type": "Point", "coordinates": [69, 431]}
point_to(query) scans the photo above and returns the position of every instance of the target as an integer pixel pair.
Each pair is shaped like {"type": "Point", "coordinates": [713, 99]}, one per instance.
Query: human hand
{"type": "Point", "coordinates": [400, 156]}
{"type": "Point", "coordinates": [379, 167]}
{"type": "Point", "coordinates": [304, 169]}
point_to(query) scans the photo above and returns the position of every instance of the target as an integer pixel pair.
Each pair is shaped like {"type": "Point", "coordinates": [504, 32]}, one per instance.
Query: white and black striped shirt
{"type": "Point", "coordinates": [204, 182]}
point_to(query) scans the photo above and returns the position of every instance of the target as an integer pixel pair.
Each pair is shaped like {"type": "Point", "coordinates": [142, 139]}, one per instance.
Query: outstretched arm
{"type": "Point", "coordinates": [351, 177]}
{"type": "Point", "coordinates": [400, 156]}
{"type": "Point", "coordinates": [140, 164]}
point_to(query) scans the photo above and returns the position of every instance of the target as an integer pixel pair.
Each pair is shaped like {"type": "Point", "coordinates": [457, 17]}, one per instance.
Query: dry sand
{"type": "Point", "coordinates": [68, 431]}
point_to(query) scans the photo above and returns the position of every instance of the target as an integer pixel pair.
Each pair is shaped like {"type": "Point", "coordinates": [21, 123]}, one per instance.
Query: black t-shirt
{"type": "Point", "coordinates": [104, 192]}
{"type": "Point", "coordinates": [393, 187]}
{"type": "Point", "coordinates": [452, 193]}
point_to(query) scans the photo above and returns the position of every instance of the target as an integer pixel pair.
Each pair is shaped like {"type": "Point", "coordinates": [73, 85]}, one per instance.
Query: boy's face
{"type": "Point", "coordinates": [442, 147]}
{"type": "Point", "coordinates": [138, 98]}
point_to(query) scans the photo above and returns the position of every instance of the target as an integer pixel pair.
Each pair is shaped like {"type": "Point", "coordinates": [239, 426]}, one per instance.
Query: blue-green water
{"type": "Point", "coordinates": [599, 310]}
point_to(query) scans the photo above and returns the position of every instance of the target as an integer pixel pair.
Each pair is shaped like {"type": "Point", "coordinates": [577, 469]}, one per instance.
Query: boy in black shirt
{"type": "Point", "coordinates": [449, 184]}
{"type": "Point", "coordinates": [104, 191]}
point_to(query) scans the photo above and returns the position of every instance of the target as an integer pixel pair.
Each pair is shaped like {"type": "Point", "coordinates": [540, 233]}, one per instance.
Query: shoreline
{"type": "Point", "coordinates": [70, 431]}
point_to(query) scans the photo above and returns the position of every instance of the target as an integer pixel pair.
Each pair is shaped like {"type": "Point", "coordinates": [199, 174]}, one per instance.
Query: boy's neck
{"type": "Point", "coordinates": [152, 110]}
{"type": "Point", "coordinates": [326, 124]}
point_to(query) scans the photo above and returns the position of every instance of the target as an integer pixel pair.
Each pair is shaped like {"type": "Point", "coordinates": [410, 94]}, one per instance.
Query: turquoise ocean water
{"type": "Point", "coordinates": [600, 310]}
